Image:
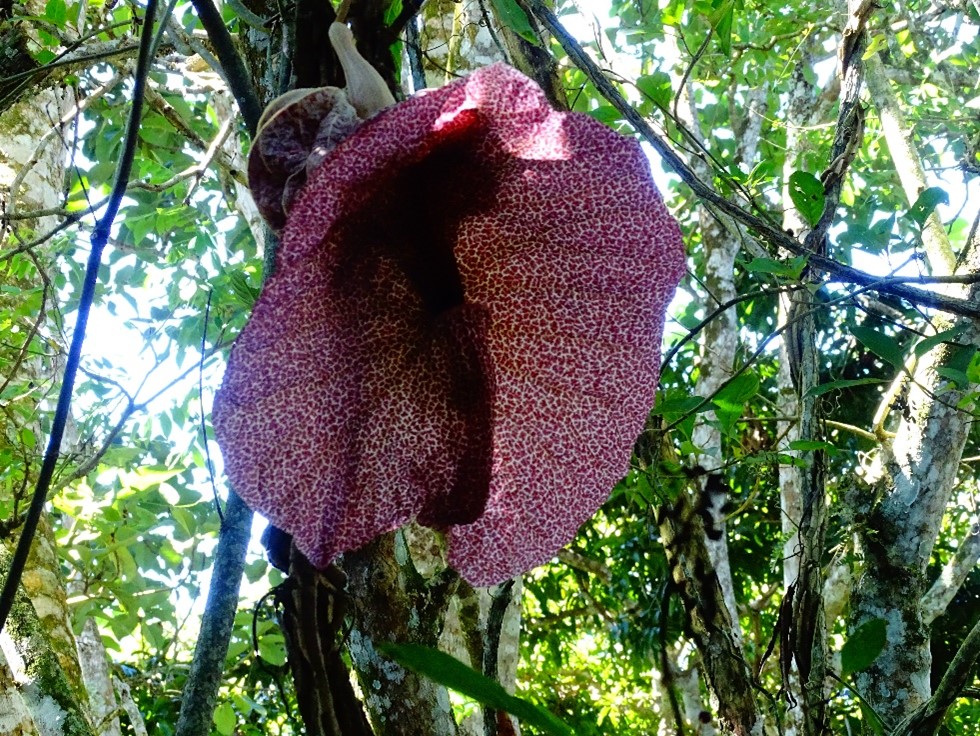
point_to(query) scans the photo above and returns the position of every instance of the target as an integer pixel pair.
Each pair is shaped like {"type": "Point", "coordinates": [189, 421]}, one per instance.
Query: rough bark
{"type": "Point", "coordinates": [710, 625]}
{"type": "Point", "coordinates": [98, 680]}
{"type": "Point", "coordinates": [41, 671]}
{"type": "Point", "coordinates": [35, 687]}
{"type": "Point", "coordinates": [911, 481]}
{"type": "Point", "coordinates": [457, 39]}
{"type": "Point", "coordinates": [393, 602]}
{"type": "Point", "coordinates": [913, 474]}
{"type": "Point", "coordinates": [721, 242]}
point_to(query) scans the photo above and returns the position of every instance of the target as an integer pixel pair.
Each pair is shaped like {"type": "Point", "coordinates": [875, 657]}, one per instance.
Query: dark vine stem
{"type": "Point", "coordinates": [100, 236]}
{"type": "Point", "coordinates": [232, 65]}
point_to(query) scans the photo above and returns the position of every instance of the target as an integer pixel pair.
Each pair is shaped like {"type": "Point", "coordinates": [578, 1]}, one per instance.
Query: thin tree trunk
{"type": "Point", "coordinates": [913, 474]}
{"type": "Point", "coordinates": [38, 644]}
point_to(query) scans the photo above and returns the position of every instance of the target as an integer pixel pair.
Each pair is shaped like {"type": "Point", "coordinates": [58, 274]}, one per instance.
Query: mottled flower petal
{"type": "Point", "coordinates": [464, 327]}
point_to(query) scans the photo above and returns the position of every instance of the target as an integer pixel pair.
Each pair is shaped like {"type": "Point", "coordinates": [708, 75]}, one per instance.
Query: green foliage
{"type": "Point", "coordinates": [862, 647]}
{"type": "Point", "coordinates": [807, 194]}
{"type": "Point", "coordinates": [926, 203]}
{"type": "Point", "coordinates": [513, 16]}
{"type": "Point", "coordinates": [882, 345]}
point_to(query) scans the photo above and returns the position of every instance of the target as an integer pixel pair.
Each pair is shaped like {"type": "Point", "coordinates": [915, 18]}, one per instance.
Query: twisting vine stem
{"type": "Point", "coordinates": [100, 236]}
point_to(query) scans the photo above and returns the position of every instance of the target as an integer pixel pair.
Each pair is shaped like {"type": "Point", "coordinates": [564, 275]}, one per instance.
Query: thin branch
{"type": "Point", "coordinates": [180, 36]}
{"type": "Point", "coordinates": [958, 675]}
{"type": "Point", "coordinates": [195, 171]}
{"type": "Point", "coordinates": [692, 333]}
{"type": "Point", "coordinates": [797, 318]}
{"type": "Point", "coordinates": [25, 348]}
{"type": "Point", "coordinates": [70, 220]}
{"type": "Point", "coordinates": [952, 577]}
{"type": "Point", "coordinates": [898, 135]}
{"type": "Point", "coordinates": [55, 130]}
{"type": "Point", "coordinates": [133, 406]}
{"type": "Point", "coordinates": [858, 431]}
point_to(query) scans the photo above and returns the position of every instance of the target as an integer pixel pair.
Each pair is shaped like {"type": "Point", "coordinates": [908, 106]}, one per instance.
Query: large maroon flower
{"type": "Point", "coordinates": [464, 328]}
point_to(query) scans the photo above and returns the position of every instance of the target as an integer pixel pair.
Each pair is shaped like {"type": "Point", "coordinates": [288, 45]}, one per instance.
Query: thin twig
{"type": "Point", "coordinates": [200, 399]}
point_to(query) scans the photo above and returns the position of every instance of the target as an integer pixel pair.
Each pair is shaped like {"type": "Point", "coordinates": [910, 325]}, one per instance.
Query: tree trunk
{"type": "Point", "coordinates": [393, 602]}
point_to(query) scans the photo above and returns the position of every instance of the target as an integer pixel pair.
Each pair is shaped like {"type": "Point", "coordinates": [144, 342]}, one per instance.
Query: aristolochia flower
{"type": "Point", "coordinates": [463, 328]}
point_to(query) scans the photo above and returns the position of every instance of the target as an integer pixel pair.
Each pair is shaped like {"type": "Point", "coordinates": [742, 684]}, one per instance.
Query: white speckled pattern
{"type": "Point", "coordinates": [464, 327]}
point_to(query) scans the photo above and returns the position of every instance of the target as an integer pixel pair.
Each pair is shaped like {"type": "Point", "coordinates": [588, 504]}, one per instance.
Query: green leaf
{"type": "Point", "coordinates": [144, 478]}
{"type": "Point", "coordinates": [44, 56]}
{"type": "Point", "coordinates": [824, 388]}
{"type": "Point", "coordinates": [807, 194]}
{"type": "Point", "coordinates": [677, 405]}
{"type": "Point", "coordinates": [720, 14]}
{"type": "Point", "coordinates": [973, 369]}
{"type": "Point", "coordinates": [926, 204]}
{"type": "Point", "coordinates": [807, 445]}
{"type": "Point", "coordinates": [272, 650]}
{"type": "Point", "coordinates": [957, 365]}
{"type": "Point", "coordinates": [606, 114]}
{"type": "Point", "coordinates": [185, 520]}
{"type": "Point", "coordinates": [242, 288]}
{"type": "Point", "coordinates": [450, 672]}
{"type": "Point", "coordinates": [657, 87]}
{"type": "Point", "coordinates": [723, 28]}
{"type": "Point", "coordinates": [56, 11]}
{"type": "Point", "coordinates": [790, 269]}
{"type": "Point", "coordinates": [870, 717]}
{"type": "Point", "coordinates": [28, 438]}
{"type": "Point", "coordinates": [739, 390]}
{"type": "Point", "coordinates": [224, 719]}
{"type": "Point", "coordinates": [878, 42]}
{"type": "Point", "coordinates": [862, 647]}
{"type": "Point", "coordinates": [880, 344]}
{"type": "Point", "coordinates": [925, 345]}
{"type": "Point", "coordinates": [512, 15]}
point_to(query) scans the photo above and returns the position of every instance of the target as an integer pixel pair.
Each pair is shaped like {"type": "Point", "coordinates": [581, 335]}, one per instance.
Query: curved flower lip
{"type": "Point", "coordinates": [292, 142]}
{"type": "Point", "coordinates": [464, 327]}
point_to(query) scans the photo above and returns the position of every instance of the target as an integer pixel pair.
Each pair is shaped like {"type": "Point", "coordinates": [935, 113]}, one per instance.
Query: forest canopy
{"type": "Point", "coordinates": [793, 545]}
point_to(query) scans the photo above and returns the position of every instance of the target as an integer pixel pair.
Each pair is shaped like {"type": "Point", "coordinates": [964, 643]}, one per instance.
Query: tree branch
{"type": "Point", "coordinates": [951, 579]}
{"type": "Point", "coordinates": [898, 135]}
{"type": "Point", "coordinates": [201, 692]}
{"type": "Point", "coordinates": [960, 673]}
{"type": "Point", "coordinates": [232, 65]}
